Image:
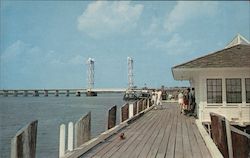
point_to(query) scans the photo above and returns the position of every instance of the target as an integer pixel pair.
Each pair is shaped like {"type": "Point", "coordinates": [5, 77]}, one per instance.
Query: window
{"type": "Point", "coordinates": [233, 90]}
{"type": "Point", "coordinates": [214, 90]}
{"type": "Point", "coordinates": [247, 90]}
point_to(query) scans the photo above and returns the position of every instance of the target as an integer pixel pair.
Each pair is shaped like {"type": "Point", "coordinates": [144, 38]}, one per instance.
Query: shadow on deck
{"type": "Point", "coordinates": [159, 133]}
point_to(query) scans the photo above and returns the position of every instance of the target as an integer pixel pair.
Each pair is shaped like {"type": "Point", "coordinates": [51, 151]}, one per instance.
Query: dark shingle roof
{"type": "Point", "coordinates": [236, 56]}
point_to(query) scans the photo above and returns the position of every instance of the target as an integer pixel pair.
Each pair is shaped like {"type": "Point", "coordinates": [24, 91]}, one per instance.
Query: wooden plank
{"type": "Point", "coordinates": [186, 143]}
{"type": "Point", "coordinates": [136, 134]}
{"type": "Point", "coordinates": [114, 141]}
{"type": "Point", "coordinates": [23, 145]}
{"type": "Point", "coordinates": [171, 143]}
{"type": "Point", "coordinates": [203, 148]}
{"type": "Point", "coordinates": [178, 143]}
{"type": "Point", "coordinates": [130, 136]}
{"type": "Point", "coordinates": [112, 117]}
{"type": "Point", "coordinates": [83, 130]}
{"type": "Point", "coordinates": [156, 144]}
{"type": "Point", "coordinates": [163, 146]}
{"type": "Point", "coordinates": [194, 145]}
{"type": "Point", "coordinates": [144, 138]}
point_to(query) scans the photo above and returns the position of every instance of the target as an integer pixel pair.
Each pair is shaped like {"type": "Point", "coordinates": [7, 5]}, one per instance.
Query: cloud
{"type": "Point", "coordinates": [27, 65]}
{"type": "Point", "coordinates": [102, 18]}
{"type": "Point", "coordinates": [176, 45]}
{"type": "Point", "coordinates": [188, 10]}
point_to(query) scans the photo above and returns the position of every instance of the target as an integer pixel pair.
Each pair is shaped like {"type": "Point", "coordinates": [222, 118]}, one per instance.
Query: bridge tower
{"type": "Point", "coordinates": [130, 73]}
{"type": "Point", "coordinates": [90, 77]}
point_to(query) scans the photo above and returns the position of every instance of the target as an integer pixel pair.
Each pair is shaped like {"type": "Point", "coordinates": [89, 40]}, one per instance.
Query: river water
{"type": "Point", "coordinates": [16, 112]}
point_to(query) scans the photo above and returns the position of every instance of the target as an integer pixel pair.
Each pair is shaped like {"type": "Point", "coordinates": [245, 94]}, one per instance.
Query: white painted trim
{"type": "Point", "coordinates": [214, 151]}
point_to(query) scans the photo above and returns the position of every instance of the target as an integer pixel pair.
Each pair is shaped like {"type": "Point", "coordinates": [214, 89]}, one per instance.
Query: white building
{"type": "Point", "coordinates": [221, 81]}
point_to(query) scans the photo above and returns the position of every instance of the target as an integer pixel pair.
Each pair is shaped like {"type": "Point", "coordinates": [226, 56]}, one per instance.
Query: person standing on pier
{"type": "Point", "coordinates": [181, 101]}
{"type": "Point", "coordinates": [153, 97]}
{"type": "Point", "coordinates": [159, 98]}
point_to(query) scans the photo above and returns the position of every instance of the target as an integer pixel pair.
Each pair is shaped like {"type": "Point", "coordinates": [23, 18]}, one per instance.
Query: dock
{"type": "Point", "coordinates": [159, 133]}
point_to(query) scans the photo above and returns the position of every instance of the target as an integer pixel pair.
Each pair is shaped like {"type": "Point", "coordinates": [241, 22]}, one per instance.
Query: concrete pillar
{"type": "Point", "coordinates": [62, 141]}
{"type": "Point", "coordinates": [15, 93]}
{"type": "Point", "coordinates": [35, 93]}
{"type": "Point", "coordinates": [57, 93]}
{"type": "Point", "coordinates": [70, 136]}
{"type": "Point", "coordinates": [25, 93]}
{"type": "Point", "coordinates": [67, 93]}
{"type": "Point", "coordinates": [5, 93]}
{"type": "Point", "coordinates": [23, 145]}
{"type": "Point", "coordinates": [78, 93]}
{"type": "Point", "coordinates": [46, 93]}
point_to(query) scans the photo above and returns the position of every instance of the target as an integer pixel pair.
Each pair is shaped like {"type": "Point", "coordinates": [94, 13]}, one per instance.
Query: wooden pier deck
{"type": "Point", "coordinates": [159, 133]}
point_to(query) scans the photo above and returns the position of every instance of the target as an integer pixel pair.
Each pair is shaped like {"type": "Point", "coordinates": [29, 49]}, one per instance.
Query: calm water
{"type": "Point", "coordinates": [15, 112]}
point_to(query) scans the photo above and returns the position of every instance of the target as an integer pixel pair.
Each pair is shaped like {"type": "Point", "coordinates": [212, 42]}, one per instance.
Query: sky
{"type": "Point", "coordinates": [45, 44]}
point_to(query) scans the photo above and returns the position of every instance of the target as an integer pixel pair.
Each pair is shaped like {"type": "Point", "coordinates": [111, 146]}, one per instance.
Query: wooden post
{"type": "Point", "coordinates": [23, 145]}
{"type": "Point", "coordinates": [140, 106]}
{"type": "Point", "coordinates": [70, 136]}
{"type": "Point", "coordinates": [124, 112]}
{"type": "Point", "coordinates": [131, 110]}
{"type": "Point", "coordinates": [135, 108]}
{"type": "Point", "coordinates": [62, 141]}
{"type": "Point", "coordinates": [240, 143]}
{"type": "Point", "coordinates": [218, 127]}
{"type": "Point", "coordinates": [229, 139]}
{"type": "Point", "coordinates": [112, 117]}
{"type": "Point", "coordinates": [83, 130]}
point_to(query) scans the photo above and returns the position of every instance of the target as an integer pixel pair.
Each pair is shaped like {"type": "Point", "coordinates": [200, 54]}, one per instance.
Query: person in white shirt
{"type": "Point", "coordinates": [159, 98]}
{"type": "Point", "coordinates": [181, 101]}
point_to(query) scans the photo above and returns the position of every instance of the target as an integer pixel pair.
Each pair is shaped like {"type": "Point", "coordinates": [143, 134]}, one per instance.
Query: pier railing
{"type": "Point", "coordinates": [232, 142]}
{"type": "Point", "coordinates": [23, 144]}
{"type": "Point", "coordinates": [128, 113]}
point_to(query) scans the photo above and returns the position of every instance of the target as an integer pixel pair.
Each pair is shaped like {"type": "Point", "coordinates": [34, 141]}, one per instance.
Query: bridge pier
{"type": "Point", "coordinates": [67, 93]}
{"type": "Point", "coordinates": [78, 93]}
{"type": "Point", "coordinates": [35, 93]}
{"type": "Point", "coordinates": [46, 93]}
{"type": "Point", "coordinates": [57, 93]}
{"type": "Point", "coordinates": [15, 93]}
{"type": "Point", "coordinates": [5, 93]}
{"type": "Point", "coordinates": [25, 93]}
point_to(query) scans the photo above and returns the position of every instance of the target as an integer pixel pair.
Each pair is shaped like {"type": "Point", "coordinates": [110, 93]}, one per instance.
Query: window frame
{"type": "Point", "coordinates": [232, 94]}
{"type": "Point", "coordinates": [214, 90]}
{"type": "Point", "coordinates": [247, 90]}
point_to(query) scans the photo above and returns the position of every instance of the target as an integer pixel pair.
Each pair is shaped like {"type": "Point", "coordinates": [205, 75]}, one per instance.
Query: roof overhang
{"type": "Point", "coordinates": [190, 73]}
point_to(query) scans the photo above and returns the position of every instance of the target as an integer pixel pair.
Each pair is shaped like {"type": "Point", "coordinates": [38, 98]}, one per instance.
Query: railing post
{"type": "Point", "coordinates": [62, 141]}
{"type": "Point", "coordinates": [57, 93]}
{"type": "Point", "coordinates": [70, 136]}
{"type": "Point", "coordinates": [23, 145]}
{"type": "Point", "coordinates": [131, 110]}
{"type": "Point", "coordinates": [83, 130]}
{"type": "Point", "coordinates": [218, 127]}
{"type": "Point", "coordinates": [112, 117]}
{"type": "Point", "coordinates": [135, 108]}
{"type": "Point", "coordinates": [124, 112]}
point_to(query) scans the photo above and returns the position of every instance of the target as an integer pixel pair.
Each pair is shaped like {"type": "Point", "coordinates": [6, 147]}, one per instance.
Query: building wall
{"type": "Point", "coordinates": [238, 113]}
